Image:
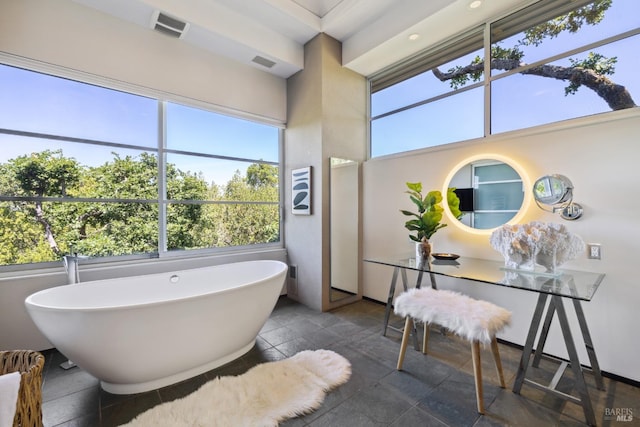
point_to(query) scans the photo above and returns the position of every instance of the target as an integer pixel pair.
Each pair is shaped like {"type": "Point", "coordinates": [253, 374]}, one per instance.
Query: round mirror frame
{"type": "Point", "coordinates": [551, 183]}
{"type": "Point", "coordinates": [526, 201]}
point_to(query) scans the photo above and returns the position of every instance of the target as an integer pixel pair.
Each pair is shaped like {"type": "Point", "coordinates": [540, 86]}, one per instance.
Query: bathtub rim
{"type": "Point", "coordinates": [30, 304]}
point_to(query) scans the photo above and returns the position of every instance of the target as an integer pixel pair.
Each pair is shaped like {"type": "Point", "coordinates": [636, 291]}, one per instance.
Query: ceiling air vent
{"type": "Point", "coordinates": [168, 25]}
{"type": "Point", "coordinates": [263, 61]}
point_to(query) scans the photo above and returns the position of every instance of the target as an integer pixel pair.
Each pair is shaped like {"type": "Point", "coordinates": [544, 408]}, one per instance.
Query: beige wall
{"type": "Point", "coordinates": [326, 118]}
{"type": "Point", "coordinates": [600, 155]}
{"type": "Point", "coordinates": [67, 34]}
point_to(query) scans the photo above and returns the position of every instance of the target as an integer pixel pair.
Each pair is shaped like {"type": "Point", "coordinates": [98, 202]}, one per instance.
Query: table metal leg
{"type": "Point", "coordinates": [586, 336]}
{"type": "Point", "coordinates": [387, 311]}
{"type": "Point", "coordinates": [405, 281]}
{"type": "Point", "coordinates": [528, 345]}
{"type": "Point", "coordinates": [581, 385]}
{"type": "Point", "coordinates": [543, 335]}
{"type": "Point", "coordinates": [426, 268]}
{"type": "Point", "coordinates": [392, 291]}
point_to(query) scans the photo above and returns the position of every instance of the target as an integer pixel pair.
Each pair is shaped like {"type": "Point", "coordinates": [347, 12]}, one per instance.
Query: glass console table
{"type": "Point", "coordinates": [576, 286]}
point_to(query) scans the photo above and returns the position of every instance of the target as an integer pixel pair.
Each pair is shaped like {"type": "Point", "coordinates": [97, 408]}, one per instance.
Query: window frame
{"type": "Point", "coordinates": [160, 150]}
{"type": "Point", "coordinates": [457, 46]}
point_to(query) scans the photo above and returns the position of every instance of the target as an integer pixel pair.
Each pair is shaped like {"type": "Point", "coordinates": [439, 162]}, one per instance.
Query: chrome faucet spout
{"type": "Point", "coordinates": [71, 267]}
{"type": "Point", "coordinates": [73, 276]}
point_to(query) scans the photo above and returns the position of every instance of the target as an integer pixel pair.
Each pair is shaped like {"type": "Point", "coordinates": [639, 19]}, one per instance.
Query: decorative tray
{"type": "Point", "coordinates": [445, 256]}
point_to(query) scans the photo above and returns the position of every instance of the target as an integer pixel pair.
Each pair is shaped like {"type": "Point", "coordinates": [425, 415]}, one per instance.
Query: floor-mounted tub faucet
{"type": "Point", "coordinates": [71, 267]}
{"type": "Point", "coordinates": [73, 276]}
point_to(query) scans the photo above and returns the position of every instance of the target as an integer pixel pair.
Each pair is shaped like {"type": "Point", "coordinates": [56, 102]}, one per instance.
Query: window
{"type": "Point", "coordinates": [554, 60]}
{"type": "Point", "coordinates": [106, 173]}
{"type": "Point", "coordinates": [498, 194]}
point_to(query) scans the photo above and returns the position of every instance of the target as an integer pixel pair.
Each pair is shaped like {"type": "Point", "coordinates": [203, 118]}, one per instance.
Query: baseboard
{"type": "Point", "coordinates": [610, 375]}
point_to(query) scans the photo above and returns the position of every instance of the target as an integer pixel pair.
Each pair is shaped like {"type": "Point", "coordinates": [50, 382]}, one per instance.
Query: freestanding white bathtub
{"type": "Point", "coordinates": [144, 332]}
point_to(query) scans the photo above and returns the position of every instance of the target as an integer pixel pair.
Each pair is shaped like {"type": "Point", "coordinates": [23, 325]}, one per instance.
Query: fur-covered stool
{"type": "Point", "coordinates": [473, 320]}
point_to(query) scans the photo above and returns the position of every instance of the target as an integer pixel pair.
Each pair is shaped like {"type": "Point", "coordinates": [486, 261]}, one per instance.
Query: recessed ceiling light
{"type": "Point", "coordinates": [414, 36]}
{"type": "Point", "coordinates": [475, 4]}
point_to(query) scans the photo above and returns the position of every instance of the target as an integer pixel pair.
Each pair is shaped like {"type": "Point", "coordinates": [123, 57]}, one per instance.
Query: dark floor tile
{"type": "Point", "coordinates": [344, 417]}
{"type": "Point", "coordinates": [416, 417]}
{"type": "Point", "coordinates": [58, 382]}
{"type": "Point", "coordinates": [411, 388]}
{"type": "Point", "coordinates": [70, 406]}
{"type": "Point", "coordinates": [280, 335]}
{"type": "Point", "coordinates": [255, 356]}
{"type": "Point", "coordinates": [126, 410]}
{"type": "Point", "coordinates": [518, 411]}
{"type": "Point", "coordinates": [90, 420]}
{"type": "Point", "coordinates": [182, 389]}
{"type": "Point", "coordinates": [297, 345]}
{"type": "Point", "coordinates": [427, 369]}
{"type": "Point", "coordinates": [453, 401]}
{"type": "Point", "coordinates": [380, 403]}
{"type": "Point", "coordinates": [436, 389]}
{"type": "Point", "coordinates": [236, 367]}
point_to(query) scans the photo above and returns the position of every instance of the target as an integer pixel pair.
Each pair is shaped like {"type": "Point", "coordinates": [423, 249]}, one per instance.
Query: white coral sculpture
{"type": "Point", "coordinates": [547, 244]}
{"type": "Point", "coordinates": [518, 244]}
{"type": "Point", "coordinates": [557, 246]}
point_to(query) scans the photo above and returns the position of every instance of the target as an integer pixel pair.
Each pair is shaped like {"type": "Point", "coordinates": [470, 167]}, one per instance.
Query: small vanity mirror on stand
{"type": "Point", "coordinates": [554, 193]}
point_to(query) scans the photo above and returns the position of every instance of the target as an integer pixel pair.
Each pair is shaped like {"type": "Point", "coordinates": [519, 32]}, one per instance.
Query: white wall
{"type": "Point", "coordinates": [70, 35]}
{"type": "Point", "coordinates": [601, 157]}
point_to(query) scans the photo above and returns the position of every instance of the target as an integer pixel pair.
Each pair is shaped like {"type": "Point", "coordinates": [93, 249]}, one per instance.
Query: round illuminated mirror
{"type": "Point", "coordinates": [491, 190]}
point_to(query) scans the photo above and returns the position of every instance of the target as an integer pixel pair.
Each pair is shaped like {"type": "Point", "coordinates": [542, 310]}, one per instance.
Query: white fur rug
{"type": "Point", "coordinates": [263, 396]}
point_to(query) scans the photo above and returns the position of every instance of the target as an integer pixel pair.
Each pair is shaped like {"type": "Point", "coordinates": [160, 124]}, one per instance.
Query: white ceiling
{"type": "Point", "coordinates": [374, 33]}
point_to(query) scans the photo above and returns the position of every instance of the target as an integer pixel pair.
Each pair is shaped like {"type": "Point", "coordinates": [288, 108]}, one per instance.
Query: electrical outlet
{"type": "Point", "coordinates": [594, 251]}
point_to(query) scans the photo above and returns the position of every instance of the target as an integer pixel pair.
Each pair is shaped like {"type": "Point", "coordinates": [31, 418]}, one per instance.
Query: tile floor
{"type": "Point", "coordinates": [432, 390]}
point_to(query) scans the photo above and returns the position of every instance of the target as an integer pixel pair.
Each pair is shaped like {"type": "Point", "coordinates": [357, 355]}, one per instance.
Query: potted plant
{"type": "Point", "coordinates": [428, 219]}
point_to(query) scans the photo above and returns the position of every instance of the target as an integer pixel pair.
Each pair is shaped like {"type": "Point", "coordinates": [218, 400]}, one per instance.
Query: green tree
{"type": "Point", "coordinates": [185, 221]}
{"type": "Point", "coordinates": [590, 72]}
{"type": "Point", "coordinates": [102, 224]}
{"type": "Point", "coordinates": [260, 175]}
{"type": "Point", "coordinates": [111, 228]}
{"type": "Point", "coordinates": [38, 175]}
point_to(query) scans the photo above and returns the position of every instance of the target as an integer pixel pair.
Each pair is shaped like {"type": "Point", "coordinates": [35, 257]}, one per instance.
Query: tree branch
{"type": "Point", "coordinates": [615, 95]}
{"type": "Point", "coordinates": [48, 234]}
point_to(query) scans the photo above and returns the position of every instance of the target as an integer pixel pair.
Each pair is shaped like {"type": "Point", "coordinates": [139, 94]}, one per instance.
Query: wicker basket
{"type": "Point", "coordinates": [29, 364]}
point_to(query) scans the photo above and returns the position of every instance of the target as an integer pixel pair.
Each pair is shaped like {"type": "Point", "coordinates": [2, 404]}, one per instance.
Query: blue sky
{"type": "Point", "coordinates": [518, 101]}
{"type": "Point", "coordinates": [39, 103]}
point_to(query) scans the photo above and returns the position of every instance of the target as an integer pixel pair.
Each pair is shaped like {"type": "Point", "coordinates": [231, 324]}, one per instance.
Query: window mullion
{"type": "Point", "coordinates": [162, 179]}
{"type": "Point", "coordinates": [487, 79]}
